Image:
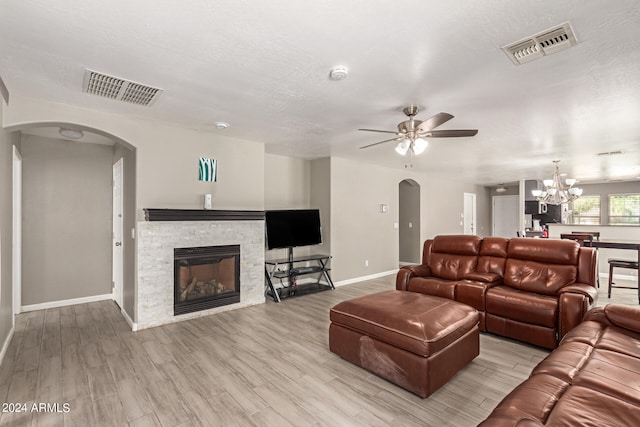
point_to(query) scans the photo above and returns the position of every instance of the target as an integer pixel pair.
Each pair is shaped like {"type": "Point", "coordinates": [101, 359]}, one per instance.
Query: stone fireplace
{"type": "Point", "coordinates": [166, 230]}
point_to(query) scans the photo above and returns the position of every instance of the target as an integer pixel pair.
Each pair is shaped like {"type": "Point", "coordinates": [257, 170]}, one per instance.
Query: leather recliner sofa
{"type": "Point", "coordinates": [592, 378]}
{"type": "Point", "coordinates": [533, 290]}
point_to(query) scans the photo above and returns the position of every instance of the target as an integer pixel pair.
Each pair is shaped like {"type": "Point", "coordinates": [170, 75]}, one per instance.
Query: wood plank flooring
{"type": "Point", "coordinates": [267, 365]}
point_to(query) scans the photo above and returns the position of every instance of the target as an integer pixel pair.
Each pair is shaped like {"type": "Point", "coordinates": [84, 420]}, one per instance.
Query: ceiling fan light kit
{"type": "Point", "coordinates": [411, 133]}
{"type": "Point", "coordinates": [71, 133]}
{"type": "Point", "coordinates": [555, 192]}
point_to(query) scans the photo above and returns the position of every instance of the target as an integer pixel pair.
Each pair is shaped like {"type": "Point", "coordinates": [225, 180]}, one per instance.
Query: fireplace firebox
{"type": "Point", "coordinates": [205, 277]}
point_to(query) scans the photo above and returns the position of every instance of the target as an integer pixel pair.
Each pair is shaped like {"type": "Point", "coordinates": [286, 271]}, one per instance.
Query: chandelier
{"type": "Point", "coordinates": [416, 145]}
{"type": "Point", "coordinates": [555, 193]}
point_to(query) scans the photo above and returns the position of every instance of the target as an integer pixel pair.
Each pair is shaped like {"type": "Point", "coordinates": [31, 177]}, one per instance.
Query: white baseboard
{"type": "Point", "coordinates": [134, 325]}
{"type": "Point", "coordinates": [401, 263]}
{"type": "Point", "coordinates": [5, 346]}
{"type": "Point", "coordinates": [363, 278]}
{"type": "Point", "coordinates": [66, 302]}
{"type": "Point", "coordinates": [605, 277]}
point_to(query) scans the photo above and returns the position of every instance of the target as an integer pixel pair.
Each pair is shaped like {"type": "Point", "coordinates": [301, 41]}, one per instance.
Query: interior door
{"type": "Point", "coordinates": [117, 233]}
{"type": "Point", "coordinates": [469, 216]}
{"type": "Point", "coordinates": [505, 216]}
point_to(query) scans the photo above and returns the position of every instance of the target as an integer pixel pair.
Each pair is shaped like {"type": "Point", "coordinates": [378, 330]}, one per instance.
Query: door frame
{"type": "Point", "coordinates": [17, 234]}
{"type": "Point", "coordinates": [469, 223]}
{"type": "Point", "coordinates": [118, 238]}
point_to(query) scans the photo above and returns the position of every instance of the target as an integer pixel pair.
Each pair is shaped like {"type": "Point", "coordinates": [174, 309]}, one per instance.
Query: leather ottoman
{"type": "Point", "coordinates": [416, 341]}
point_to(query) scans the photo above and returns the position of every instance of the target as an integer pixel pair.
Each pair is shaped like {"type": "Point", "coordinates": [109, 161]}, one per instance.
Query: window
{"type": "Point", "coordinates": [624, 209]}
{"type": "Point", "coordinates": [586, 210]}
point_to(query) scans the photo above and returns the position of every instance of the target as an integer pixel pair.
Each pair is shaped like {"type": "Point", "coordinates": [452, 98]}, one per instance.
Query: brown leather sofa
{"type": "Point", "coordinates": [533, 290]}
{"type": "Point", "coordinates": [592, 378]}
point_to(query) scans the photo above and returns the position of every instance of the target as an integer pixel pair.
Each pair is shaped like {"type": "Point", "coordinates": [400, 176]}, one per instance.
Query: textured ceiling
{"type": "Point", "coordinates": [263, 67]}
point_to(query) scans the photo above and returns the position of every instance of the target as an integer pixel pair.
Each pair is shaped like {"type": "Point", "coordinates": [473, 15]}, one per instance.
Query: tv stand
{"type": "Point", "coordinates": [288, 277]}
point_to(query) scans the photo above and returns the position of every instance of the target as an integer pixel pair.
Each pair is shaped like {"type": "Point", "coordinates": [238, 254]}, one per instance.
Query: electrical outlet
{"type": "Point", "coordinates": [366, 263]}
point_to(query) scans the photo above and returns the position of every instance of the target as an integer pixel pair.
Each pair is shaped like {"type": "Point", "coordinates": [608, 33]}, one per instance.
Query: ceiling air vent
{"type": "Point", "coordinates": [609, 153]}
{"type": "Point", "coordinates": [545, 43]}
{"type": "Point", "coordinates": [120, 89]}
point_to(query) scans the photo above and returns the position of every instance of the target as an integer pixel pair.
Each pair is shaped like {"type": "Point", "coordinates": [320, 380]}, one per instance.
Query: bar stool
{"type": "Point", "coordinates": [621, 263]}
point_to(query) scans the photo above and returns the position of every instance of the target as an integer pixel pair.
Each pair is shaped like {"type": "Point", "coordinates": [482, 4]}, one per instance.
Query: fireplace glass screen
{"type": "Point", "coordinates": [206, 277]}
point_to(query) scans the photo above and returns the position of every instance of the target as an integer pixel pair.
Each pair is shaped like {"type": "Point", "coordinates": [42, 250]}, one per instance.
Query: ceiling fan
{"type": "Point", "coordinates": [411, 133]}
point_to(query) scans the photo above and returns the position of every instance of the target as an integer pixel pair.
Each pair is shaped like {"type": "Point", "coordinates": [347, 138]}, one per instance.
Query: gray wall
{"type": "Point", "coordinates": [129, 223]}
{"type": "Point", "coordinates": [67, 225]}
{"type": "Point", "coordinates": [166, 156]}
{"type": "Point", "coordinates": [409, 213]}
{"type": "Point", "coordinates": [360, 234]}
{"type": "Point", "coordinates": [286, 186]}
{"type": "Point", "coordinates": [320, 198]}
{"type": "Point", "coordinates": [6, 229]}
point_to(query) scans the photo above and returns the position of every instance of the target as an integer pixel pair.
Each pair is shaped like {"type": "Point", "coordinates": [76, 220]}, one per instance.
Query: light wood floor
{"type": "Point", "coordinates": [267, 365]}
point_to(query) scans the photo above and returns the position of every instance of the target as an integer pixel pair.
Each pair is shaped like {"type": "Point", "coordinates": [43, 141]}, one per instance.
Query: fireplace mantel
{"type": "Point", "coordinates": [151, 214]}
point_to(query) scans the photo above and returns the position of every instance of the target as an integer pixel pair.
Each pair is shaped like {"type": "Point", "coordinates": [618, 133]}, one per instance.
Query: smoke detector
{"type": "Point", "coordinates": [222, 125]}
{"type": "Point", "coordinates": [339, 73]}
{"type": "Point", "coordinates": [545, 43]}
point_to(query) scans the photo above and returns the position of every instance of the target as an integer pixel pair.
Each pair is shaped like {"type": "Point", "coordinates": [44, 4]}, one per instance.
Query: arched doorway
{"type": "Point", "coordinates": [409, 221]}
{"type": "Point", "coordinates": [67, 217]}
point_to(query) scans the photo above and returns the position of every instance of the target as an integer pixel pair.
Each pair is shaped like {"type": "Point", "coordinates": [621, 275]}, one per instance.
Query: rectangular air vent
{"type": "Point", "coordinates": [547, 42]}
{"type": "Point", "coordinates": [609, 153]}
{"type": "Point", "coordinates": [119, 89]}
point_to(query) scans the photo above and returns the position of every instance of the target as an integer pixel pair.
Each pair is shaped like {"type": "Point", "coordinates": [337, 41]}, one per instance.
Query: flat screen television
{"type": "Point", "coordinates": [292, 228]}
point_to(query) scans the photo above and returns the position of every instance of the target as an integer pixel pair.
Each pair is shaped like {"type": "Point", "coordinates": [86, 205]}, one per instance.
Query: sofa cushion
{"type": "Point", "coordinates": [525, 307]}
{"type": "Point", "coordinates": [433, 286]}
{"type": "Point", "coordinates": [532, 276]}
{"type": "Point", "coordinates": [452, 257]}
{"type": "Point", "coordinates": [581, 406]}
{"type": "Point", "coordinates": [492, 256]}
{"type": "Point", "coordinates": [613, 374]}
{"type": "Point", "coordinates": [547, 251]}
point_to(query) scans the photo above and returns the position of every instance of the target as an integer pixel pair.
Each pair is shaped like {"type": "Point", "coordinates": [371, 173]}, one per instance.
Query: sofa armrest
{"type": "Point", "coordinates": [484, 277]}
{"type": "Point", "coordinates": [581, 288]}
{"type": "Point", "coordinates": [624, 316]}
{"type": "Point", "coordinates": [574, 302]}
{"type": "Point", "coordinates": [407, 272]}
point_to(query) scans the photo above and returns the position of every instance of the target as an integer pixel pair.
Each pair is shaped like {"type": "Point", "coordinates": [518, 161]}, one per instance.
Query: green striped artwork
{"type": "Point", "coordinates": [208, 169]}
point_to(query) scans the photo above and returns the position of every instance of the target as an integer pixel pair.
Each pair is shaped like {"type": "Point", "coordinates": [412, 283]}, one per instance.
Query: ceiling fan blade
{"type": "Point", "coordinates": [381, 131]}
{"type": "Point", "coordinates": [434, 121]}
{"type": "Point", "coordinates": [382, 142]}
{"type": "Point", "coordinates": [449, 133]}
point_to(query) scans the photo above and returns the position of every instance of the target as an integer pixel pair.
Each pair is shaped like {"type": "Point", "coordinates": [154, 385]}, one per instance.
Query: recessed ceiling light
{"type": "Point", "coordinates": [339, 73]}
{"type": "Point", "coordinates": [222, 125]}
{"type": "Point", "coordinates": [71, 133]}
